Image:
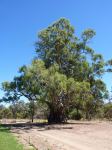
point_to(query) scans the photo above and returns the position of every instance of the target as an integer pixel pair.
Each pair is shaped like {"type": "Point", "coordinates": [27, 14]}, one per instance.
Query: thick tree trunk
{"type": "Point", "coordinates": [56, 116]}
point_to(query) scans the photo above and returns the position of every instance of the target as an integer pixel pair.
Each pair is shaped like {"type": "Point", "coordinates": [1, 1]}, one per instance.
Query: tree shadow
{"type": "Point", "coordinates": [79, 123]}
{"type": "Point", "coordinates": [21, 126]}
{"type": "Point", "coordinates": [41, 126]}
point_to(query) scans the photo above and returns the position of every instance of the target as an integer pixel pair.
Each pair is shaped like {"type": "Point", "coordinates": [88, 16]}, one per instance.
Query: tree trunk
{"type": "Point", "coordinates": [32, 109]}
{"type": "Point", "coordinates": [56, 116]}
{"type": "Point", "coordinates": [32, 118]}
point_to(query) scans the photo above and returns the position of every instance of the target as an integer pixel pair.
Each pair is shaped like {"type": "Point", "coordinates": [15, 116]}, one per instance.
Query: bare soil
{"type": "Point", "coordinates": [73, 136]}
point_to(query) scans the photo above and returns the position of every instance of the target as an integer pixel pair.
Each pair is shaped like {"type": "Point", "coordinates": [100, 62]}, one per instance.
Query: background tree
{"type": "Point", "coordinates": [11, 95]}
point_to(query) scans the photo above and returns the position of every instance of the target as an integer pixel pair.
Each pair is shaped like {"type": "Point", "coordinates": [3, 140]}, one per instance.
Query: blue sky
{"type": "Point", "coordinates": [21, 20]}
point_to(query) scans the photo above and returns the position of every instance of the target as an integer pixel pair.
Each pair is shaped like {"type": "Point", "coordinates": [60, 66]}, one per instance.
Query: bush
{"type": "Point", "coordinates": [74, 114]}
{"type": "Point", "coordinates": [108, 111]}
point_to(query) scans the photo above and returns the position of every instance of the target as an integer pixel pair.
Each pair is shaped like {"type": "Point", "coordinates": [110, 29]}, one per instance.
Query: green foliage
{"type": "Point", "coordinates": [53, 42]}
{"type": "Point", "coordinates": [74, 114]}
{"type": "Point", "coordinates": [65, 76]}
{"type": "Point", "coordinates": [5, 112]}
{"type": "Point", "coordinates": [108, 111]}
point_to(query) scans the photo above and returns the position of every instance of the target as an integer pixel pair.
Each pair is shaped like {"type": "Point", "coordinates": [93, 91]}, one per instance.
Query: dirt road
{"type": "Point", "coordinates": [76, 136]}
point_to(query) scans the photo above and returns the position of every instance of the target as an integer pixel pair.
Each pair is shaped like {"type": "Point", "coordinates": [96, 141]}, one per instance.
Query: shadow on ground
{"type": "Point", "coordinates": [40, 126]}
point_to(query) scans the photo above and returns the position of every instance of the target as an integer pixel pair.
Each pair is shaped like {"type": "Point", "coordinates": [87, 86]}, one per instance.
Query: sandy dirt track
{"type": "Point", "coordinates": [76, 136]}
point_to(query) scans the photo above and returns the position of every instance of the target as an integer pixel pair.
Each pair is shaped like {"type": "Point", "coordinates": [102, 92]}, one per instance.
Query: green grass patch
{"type": "Point", "coordinates": [8, 141]}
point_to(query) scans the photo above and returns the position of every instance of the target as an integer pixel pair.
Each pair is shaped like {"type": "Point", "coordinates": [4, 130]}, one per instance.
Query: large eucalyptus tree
{"type": "Point", "coordinates": [65, 74]}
